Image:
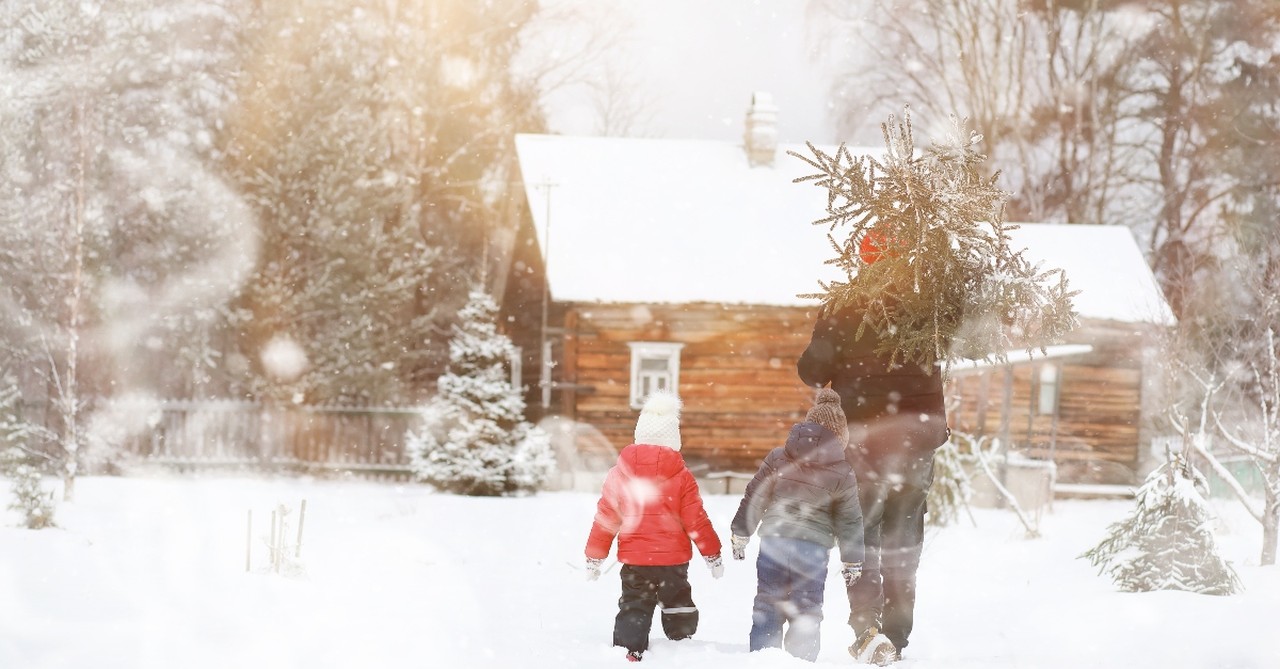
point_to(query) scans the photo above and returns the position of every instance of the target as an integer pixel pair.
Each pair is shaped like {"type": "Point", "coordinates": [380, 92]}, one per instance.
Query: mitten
{"type": "Point", "coordinates": [715, 564]}
{"type": "Point", "coordinates": [739, 545]}
{"type": "Point", "coordinates": [852, 572]}
{"type": "Point", "coordinates": [593, 568]}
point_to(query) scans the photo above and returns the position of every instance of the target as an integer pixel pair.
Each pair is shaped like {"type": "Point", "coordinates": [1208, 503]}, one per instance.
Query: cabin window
{"type": "Point", "coordinates": [654, 366]}
{"type": "Point", "coordinates": [1048, 390]}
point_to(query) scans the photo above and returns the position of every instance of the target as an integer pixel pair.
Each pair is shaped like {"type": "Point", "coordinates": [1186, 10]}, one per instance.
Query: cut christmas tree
{"type": "Point", "coordinates": [923, 244]}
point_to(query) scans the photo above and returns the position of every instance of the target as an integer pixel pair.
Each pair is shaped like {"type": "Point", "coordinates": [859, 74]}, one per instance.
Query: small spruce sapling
{"type": "Point", "coordinates": [1167, 541]}
{"type": "Point", "coordinates": [475, 439]}
{"type": "Point", "coordinates": [923, 244]}
{"type": "Point", "coordinates": [30, 499]}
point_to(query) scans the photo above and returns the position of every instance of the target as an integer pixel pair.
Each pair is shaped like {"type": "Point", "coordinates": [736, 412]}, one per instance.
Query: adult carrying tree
{"type": "Point", "coordinates": [925, 250]}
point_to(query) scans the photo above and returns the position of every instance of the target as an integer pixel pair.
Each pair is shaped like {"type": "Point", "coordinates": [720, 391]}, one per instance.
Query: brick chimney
{"type": "Point", "coordinates": [760, 136]}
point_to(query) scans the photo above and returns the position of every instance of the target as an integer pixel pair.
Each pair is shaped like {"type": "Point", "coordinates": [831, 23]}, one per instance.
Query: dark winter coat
{"type": "Point", "coordinates": [896, 414]}
{"type": "Point", "coordinates": [805, 490]}
{"type": "Point", "coordinates": [651, 502]}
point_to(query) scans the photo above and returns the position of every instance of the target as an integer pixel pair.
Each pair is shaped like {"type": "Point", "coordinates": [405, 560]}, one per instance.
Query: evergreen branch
{"type": "Point", "coordinates": [943, 281]}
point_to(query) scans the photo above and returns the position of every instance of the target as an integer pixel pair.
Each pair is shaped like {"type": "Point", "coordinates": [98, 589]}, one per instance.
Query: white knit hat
{"type": "Point", "coordinates": [659, 422]}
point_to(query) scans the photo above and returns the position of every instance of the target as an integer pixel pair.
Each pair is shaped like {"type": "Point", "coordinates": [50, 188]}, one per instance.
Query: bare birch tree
{"type": "Point", "coordinates": [111, 222]}
{"type": "Point", "coordinates": [1039, 81]}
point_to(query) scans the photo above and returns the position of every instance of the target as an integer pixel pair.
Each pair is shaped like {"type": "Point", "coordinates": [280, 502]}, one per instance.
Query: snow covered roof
{"type": "Point", "coordinates": [651, 220]}
{"type": "Point", "coordinates": [679, 221]}
{"type": "Point", "coordinates": [1017, 356]}
{"type": "Point", "coordinates": [1104, 263]}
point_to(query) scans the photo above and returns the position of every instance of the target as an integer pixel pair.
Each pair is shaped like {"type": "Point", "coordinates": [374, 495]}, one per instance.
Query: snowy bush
{"type": "Point", "coordinates": [1167, 542]}
{"type": "Point", "coordinates": [952, 481]}
{"type": "Point", "coordinates": [284, 546]}
{"type": "Point", "coordinates": [474, 439]}
{"type": "Point", "coordinates": [17, 463]}
{"type": "Point", "coordinates": [30, 499]}
{"type": "Point", "coordinates": [951, 489]}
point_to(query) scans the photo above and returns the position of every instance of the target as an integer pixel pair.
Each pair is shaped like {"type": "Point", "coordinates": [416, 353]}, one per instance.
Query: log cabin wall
{"type": "Point", "coordinates": [737, 374]}
{"type": "Point", "coordinates": [741, 392]}
{"type": "Point", "coordinates": [1100, 422]}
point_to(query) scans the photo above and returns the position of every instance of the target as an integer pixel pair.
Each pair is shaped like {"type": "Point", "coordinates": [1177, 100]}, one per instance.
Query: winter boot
{"type": "Point", "coordinates": [634, 656]}
{"type": "Point", "coordinates": [872, 647]}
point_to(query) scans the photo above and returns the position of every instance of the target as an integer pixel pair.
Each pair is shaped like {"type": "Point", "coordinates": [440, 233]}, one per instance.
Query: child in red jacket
{"type": "Point", "coordinates": [651, 503]}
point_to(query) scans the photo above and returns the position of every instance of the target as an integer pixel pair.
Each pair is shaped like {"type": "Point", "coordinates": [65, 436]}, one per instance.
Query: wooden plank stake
{"type": "Point", "coordinates": [248, 540]}
{"type": "Point", "coordinates": [302, 515]}
{"type": "Point", "coordinates": [275, 543]}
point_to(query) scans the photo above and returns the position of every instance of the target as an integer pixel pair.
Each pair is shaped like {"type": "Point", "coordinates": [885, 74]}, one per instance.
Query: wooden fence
{"type": "Point", "coordinates": [230, 434]}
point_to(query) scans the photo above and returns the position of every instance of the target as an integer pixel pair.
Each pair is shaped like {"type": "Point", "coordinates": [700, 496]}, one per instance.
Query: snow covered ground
{"type": "Point", "coordinates": [150, 573]}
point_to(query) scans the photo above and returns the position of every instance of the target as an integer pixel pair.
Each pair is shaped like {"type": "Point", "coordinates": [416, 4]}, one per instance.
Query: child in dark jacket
{"type": "Point", "coordinates": [804, 500]}
{"type": "Point", "coordinates": [651, 503]}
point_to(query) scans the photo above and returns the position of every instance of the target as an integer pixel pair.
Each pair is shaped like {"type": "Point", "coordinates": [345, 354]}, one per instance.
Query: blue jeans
{"type": "Point", "coordinates": [790, 576]}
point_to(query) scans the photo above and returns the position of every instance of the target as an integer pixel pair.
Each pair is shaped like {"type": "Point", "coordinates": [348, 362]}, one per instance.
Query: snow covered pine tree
{"type": "Point", "coordinates": [474, 438]}
{"type": "Point", "coordinates": [29, 497]}
{"type": "Point", "coordinates": [1167, 542]}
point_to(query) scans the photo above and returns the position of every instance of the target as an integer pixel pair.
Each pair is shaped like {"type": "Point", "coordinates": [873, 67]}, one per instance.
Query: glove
{"type": "Point", "coordinates": [593, 568]}
{"type": "Point", "coordinates": [715, 564]}
{"type": "Point", "coordinates": [852, 572]}
{"type": "Point", "coordinates": [739, 545]}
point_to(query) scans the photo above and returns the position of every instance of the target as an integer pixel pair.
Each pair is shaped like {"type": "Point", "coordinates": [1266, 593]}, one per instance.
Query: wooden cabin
{"type": "Point", "coordinates": [1086, 405]}
{"type": "Point", "coordinates": [680, 264]}
{"type": "Point", "coordinates": [732, 364]}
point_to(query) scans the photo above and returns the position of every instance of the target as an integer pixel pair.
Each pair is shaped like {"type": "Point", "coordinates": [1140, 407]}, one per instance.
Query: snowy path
{"type": "Point", "coordinates": [149, 574]}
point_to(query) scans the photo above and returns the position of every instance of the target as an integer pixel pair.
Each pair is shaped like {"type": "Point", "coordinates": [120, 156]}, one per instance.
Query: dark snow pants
{"type": "Point", "coordinates": [644, 588]}
{"type": "Point", "coordinates": [885, 596]}
{"type": "Point", "coordinates": [791, 575]}
{"type": "Point", "coordinates": [893, 508]}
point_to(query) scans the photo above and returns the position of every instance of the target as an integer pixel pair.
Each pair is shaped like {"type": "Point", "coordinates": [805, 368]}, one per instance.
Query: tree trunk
{"type": "Point", "coordinates": [69, 481]}
{"type": "Point", "coordinates": [1270, 527]}
{"type": "Point", "coordinates": [70, 399]}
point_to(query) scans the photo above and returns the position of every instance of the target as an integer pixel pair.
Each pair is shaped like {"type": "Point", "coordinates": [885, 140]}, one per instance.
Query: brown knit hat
{"type": "Point", "coordinates": [826, 412]}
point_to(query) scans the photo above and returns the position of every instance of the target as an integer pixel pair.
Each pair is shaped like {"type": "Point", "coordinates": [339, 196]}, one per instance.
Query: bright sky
{"type": "Point", "coordinates": [694, 65]}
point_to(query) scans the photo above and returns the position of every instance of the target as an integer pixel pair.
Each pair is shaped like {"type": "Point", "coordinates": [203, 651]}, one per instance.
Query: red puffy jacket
{"type": "Point", "coordinates": [651, 503]}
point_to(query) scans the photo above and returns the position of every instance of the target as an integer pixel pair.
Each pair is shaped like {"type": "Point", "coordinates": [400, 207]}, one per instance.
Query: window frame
{"type": "Point", "coordinates": [669, 351]}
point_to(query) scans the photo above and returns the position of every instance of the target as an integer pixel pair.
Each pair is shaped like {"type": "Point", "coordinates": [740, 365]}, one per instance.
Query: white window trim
{"type": "Point", "coordinates": [1050, 378]}
{"type": "Point", "coordinates": [643, 350]}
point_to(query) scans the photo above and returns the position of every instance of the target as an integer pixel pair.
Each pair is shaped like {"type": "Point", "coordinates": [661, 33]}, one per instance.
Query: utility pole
{"type": "Point", "coordinates": [544, 376]}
